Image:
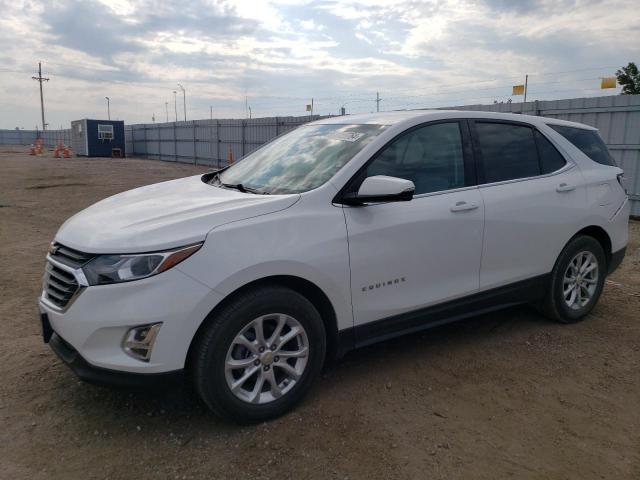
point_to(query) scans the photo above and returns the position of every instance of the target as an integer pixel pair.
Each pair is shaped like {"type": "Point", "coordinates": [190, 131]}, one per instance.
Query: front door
{"type": "Point", "coordinates": [405, 256]}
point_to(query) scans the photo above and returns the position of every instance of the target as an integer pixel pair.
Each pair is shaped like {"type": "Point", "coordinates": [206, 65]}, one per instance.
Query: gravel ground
{"type": "Point", "coordinates": [506, 395]}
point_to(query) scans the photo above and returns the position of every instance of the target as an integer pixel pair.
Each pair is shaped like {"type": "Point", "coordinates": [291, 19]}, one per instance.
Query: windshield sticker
{"type": "Point", "coordinates": [345, 136]}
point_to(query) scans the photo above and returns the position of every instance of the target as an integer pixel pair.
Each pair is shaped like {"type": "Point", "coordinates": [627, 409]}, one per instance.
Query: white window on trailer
{"type": "Point", "coordinates": [105, 132]}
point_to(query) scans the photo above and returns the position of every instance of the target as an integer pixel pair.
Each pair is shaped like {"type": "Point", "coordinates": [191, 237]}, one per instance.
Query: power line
{"type": "Point", "coordinates": [391, 97]}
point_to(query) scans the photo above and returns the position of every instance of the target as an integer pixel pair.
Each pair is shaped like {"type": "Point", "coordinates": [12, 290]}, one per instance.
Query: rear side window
{"type": "Point", "coordinates": [508, 151]}
{"type": "Point", "coordinates": [550, 159]}
{"type": "Point", "coordinates": [588, 141]}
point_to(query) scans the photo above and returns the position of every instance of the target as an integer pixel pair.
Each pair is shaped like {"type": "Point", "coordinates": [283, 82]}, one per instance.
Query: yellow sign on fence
{"type": "Point", "coordinates": [518, 90]}
{"type": "Point", "coordinates": [608, 82]}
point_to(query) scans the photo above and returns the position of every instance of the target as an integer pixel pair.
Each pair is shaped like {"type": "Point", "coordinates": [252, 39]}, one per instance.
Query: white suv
{"type": "Point", "coordinates": [341, 233]}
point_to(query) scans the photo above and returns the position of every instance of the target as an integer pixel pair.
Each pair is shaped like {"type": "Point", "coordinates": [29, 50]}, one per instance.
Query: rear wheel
{"type": "Point", "coordinates": [577, 280]}
{"type": "Point", "coordinates": [260, 354]}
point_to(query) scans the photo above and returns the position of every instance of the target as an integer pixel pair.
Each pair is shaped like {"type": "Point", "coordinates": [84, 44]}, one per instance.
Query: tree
{"type": "Point", "coordinates": [629, 78]}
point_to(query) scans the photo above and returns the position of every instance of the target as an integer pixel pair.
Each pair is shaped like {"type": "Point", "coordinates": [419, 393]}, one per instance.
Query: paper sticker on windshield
{"type": "Point", "coordinates": [346, 136]}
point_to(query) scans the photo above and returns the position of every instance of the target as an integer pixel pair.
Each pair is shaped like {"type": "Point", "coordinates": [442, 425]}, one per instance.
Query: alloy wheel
{"type": "Point", "coordinates": [266, 358]}
{"type": "Point", "coordinates": [580, 280]}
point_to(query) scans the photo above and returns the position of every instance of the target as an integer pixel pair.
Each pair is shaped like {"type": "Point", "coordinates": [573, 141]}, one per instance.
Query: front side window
{"type": "Point", "coordinates": [431, 157]}
{"type": "Point", "coordinates": [301, 160]}
{"type": "Point", "coordinates": [508, 151]}
{"type": "Point", "coordinates": [588, 141]}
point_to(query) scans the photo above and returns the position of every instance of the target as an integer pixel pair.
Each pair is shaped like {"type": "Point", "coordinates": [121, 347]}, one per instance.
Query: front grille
{"type": "Point", "coordinates": [69, 256]}
{"type": "Point", "coordinates": [59, 285]}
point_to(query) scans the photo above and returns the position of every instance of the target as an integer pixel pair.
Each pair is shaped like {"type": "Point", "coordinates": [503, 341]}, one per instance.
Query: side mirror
{"type": "Point", "coordinates": [381, 188]}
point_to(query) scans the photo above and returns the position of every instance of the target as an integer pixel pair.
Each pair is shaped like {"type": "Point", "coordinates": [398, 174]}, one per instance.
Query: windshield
{"type": "Point", "coordinates": [301, 160]}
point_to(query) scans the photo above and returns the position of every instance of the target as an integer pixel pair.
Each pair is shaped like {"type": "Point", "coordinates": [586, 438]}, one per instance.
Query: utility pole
{"type": "Point", "coordinates": [175, 104]}
{"type": "Point", "coordinates": [526, 81]}
{"type": "Point", "coordinates": [377, 101]}
{"type": "Point", "coordinates": [166, 108]}
{"type": "Point", "coordinates": [210, 112]}
{"type": "Point", "coordinates": [184, 101]}
{"type": "Point", "coordinates": [108, 109]}
{"type": "Point", "coordinates": [249, 111]}
{"type": "Point", "coordinates": [41, 79]}
{"type": "Point", "coordinates": [246, 106]}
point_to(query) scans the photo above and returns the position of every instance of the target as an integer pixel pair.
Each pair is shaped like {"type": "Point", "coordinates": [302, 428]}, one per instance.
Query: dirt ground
{"type": "Point", "coordinates": [506, 395]}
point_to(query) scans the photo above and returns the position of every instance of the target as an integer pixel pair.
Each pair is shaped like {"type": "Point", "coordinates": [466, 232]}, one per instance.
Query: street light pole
{"type": "Point", "coordinates": [166, 107]}
{"type": "Point", "coordinates": [175, 104]}
{"type": "Point", "coordinates": [184, 101]}
{"type": "Point", "coordinates": [108, 109]}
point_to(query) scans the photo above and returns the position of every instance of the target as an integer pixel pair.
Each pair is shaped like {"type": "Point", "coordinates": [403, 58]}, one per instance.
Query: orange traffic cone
{"type": "Point", "coordinates": [230, 156]}
{"type": "Point", "coordinates": [56, 152]}
{"type": "Point", "coordinates": [67, 152]}
{"type": "Point", "coordinates": [32, 149]}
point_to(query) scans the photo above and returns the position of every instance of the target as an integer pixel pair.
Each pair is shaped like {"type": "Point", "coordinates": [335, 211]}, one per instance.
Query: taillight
{"type": "Point", "coordinates": [621, 181]}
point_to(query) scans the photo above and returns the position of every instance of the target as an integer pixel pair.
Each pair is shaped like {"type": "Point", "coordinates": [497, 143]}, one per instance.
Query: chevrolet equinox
{"type": "Point", "coordinates": [343, 232]}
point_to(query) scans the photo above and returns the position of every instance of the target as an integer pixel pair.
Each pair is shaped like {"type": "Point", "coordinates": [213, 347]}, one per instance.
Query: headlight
{"type": "Point", "coordinates": [105, 269]}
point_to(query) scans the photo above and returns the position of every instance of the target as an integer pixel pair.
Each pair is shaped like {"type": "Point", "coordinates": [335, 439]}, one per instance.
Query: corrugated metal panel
{"type": "Point", "coordinates": [27, 137]}
{"type": "Point", "coordinates": [207, 142]}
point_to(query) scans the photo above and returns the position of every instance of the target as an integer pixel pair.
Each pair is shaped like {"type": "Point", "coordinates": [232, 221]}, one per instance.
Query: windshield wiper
{"type": "Point", "coordinates": [239, 187]}
{"type": "Point", "coordinates": [236, 186]}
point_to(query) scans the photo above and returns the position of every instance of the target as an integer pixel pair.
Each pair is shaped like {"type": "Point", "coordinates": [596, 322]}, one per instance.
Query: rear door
{"type": "Point", "coordinates": [408, 255]}
{"type": "Point", "coordinates": [534, 201]}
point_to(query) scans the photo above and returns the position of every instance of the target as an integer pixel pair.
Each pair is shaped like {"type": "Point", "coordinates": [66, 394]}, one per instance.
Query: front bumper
{"type": "Point", "coordinates": [113, 378]}
{"type": "Point", "coordinates": [94, 325]}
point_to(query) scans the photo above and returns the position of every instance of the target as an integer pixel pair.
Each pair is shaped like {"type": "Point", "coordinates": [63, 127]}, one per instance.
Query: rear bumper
{"type": "Point", "coordinates": [114, 378]}
{"type": "Point", "coordinates": [616, 259]}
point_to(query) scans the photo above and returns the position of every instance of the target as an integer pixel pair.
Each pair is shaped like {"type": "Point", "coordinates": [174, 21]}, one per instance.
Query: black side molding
{"type": "Point", "coordinates": [525, 291]}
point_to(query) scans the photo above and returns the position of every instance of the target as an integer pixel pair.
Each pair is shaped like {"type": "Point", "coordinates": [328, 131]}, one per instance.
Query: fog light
{"type": "Point", "coordinates": [138, 341]}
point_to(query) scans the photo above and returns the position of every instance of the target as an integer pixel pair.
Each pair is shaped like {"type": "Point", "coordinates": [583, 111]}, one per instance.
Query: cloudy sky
{"type": "Point", "coordinates": [279, 54]}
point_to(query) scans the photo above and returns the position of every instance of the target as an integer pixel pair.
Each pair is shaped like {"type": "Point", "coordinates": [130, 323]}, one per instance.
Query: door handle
{"type": "Point", "coordinates": [463, 206]}
{"type": "Point", "coordinates": [565, 187]}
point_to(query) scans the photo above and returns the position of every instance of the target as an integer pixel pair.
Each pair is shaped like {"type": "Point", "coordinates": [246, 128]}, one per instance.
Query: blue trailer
{"type": "Point", "coordinates": [98, 138]}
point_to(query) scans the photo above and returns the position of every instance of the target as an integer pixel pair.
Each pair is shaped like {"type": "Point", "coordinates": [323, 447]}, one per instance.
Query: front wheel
{"type": "Point", "coordinates": [260, 354]}
{"type": "Point", "coordinates": [577, 280]}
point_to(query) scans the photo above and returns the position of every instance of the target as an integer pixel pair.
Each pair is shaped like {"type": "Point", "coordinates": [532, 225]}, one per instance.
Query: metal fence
{"type": "Point", "coordinates": [27, 137]}
{"type": "Point", "coordinates": [213, 142]}
{"type": "Point", "coordinates": [617, 117]}
{"type": "Point", "coordinates": [206, 142]}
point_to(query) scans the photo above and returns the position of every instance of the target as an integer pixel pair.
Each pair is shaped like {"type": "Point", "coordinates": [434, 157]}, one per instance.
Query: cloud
{"type": "Point", "coordinates": [280, 53]}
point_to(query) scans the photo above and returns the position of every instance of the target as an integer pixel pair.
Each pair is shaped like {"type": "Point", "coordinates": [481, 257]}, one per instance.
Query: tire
{"type": "Point", "coordinates": [228, 349]}
{"type": "Point", "coordinates": [581, 251]}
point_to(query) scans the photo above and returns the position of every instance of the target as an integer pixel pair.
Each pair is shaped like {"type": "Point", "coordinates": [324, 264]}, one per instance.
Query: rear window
{"type": "Point", "coordinates": [588, 141]}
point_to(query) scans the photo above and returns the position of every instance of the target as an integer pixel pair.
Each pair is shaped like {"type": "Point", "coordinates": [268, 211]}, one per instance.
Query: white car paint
{"type": "Point", "coordinates": [161, 216]}
{"type": "Point", "coordinates": [438, 246]}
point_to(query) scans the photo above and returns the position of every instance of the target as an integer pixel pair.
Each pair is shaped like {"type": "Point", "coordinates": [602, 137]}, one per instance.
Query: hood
{"type": "Point", "coordinates": [161, 216]}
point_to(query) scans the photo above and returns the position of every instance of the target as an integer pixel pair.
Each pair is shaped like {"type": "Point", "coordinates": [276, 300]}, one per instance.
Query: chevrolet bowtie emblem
{"type": "Point", "coordinates": [53, 249]}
